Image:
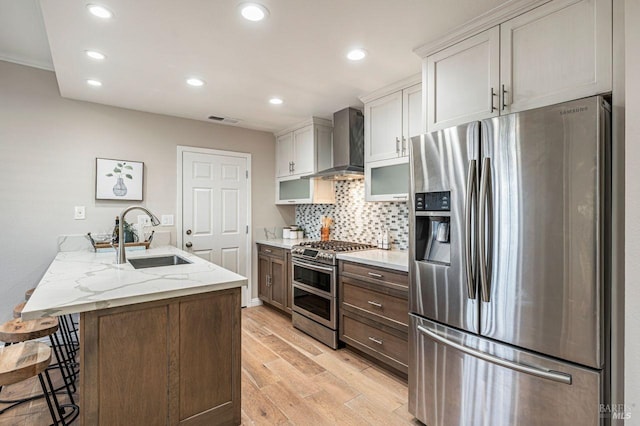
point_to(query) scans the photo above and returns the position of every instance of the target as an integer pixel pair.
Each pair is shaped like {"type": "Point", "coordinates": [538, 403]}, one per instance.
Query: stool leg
{"type": "Point", "coordinates": [63, 365]}
{"type": "Point", "coordinates": [45, 391]}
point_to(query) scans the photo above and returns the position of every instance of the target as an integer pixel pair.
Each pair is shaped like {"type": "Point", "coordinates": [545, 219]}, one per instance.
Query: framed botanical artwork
{"type": "Point", "coordinates": [119, 179]}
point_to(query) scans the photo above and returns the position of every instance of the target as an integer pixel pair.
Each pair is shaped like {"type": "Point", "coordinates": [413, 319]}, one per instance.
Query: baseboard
{"type": "Point", "coordinates": [254, 302]}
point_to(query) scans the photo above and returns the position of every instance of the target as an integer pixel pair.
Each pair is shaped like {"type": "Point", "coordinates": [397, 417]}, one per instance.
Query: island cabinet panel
{"type": "Point", "coordinates": [169, 362]}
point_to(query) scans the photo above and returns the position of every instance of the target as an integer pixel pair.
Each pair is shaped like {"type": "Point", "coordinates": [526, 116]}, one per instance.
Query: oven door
{"type": "Point", "coordinates": [319, 279]}
{"type": "Point", "coordinates": [315, 305]}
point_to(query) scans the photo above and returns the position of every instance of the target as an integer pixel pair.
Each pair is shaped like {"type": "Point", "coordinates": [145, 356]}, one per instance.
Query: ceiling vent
{"type": "Point", "coordinates": [224, 120]}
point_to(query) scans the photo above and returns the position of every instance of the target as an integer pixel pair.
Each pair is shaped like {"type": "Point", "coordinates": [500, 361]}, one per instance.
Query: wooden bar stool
{"type": "Point", "coordinates": [28, 293]}
{"type": "Point", "coordinates": [17, 331]}
{"type": "Point", "coordinates": [65, 341]}
{"type": "Point", "coordinates": [25, 360]}
{"type": "Point", "coordinates": [17, 310]}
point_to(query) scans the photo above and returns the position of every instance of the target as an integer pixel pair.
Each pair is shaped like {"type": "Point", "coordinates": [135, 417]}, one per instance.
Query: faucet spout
{"type": "Point", "coordinates": [121, 256]}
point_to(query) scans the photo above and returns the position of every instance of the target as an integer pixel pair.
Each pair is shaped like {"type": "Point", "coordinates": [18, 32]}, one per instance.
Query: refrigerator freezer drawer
{"type": "Point", "coordinates": [463, 379]}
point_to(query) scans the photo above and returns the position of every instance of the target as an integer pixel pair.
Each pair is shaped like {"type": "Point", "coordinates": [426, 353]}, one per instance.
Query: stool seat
{"type": "Point", "coordinates": [23, 361]}
{"type": "Point", "coordinates": [17, 310]}
{"type": "Point", "coordinates": [17, 330]}
{"type": "Point", "coordinates": [28, 293]}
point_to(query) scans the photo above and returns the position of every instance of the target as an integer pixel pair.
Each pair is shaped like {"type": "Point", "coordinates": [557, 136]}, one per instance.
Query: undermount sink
{"type": "Point", "coordinates": [153, 262]}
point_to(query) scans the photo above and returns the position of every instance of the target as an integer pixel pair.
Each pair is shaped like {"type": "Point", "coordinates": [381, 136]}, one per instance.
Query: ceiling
{"type": "Point", "coordinates": [297, 53]}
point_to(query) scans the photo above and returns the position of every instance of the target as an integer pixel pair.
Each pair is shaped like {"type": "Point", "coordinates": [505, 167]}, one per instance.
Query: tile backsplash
{"type": "Point", "coordinates": [357, 220]}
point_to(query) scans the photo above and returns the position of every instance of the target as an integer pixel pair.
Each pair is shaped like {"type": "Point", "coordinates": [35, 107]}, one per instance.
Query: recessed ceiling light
{"type": "Point", "coordinates": [356, 54]}
{"type": "Point", "coordinates": [93, 54]}
{"type": "Point", "coordinates": [94, 83]}
{"type": "Point", "coordinates": [275, 101]}
{"type": "Point", "coordinates": [99, 11]}
{"type": "Point", "coordinates": [195, 82]}
{"type": "Point", "coordinates": [253, 11]}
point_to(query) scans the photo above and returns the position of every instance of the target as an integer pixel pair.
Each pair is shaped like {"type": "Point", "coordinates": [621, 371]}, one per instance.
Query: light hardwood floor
{"type": "Point", "coordinates": [287, 378]}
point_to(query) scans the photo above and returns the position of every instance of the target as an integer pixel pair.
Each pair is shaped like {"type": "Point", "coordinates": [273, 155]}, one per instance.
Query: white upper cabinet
{"type": "Point", "coordinates": [284, 148]}
{"type": "Point", "coordinates": [412, 121]}
{"type": "Point", "coordinates": [553, 53]}
{"type": "Point", "coordinates": [463, 81]}
{"type": "Point", "coordinates": [392, 116]}
{"type": "Point", "coordinates": [389, 123]}
{"type": "Point", "coordinates": [383, 127]}
{"type": "Point", "coordinates": [556, 52]}
{"type": "Point", "coordinates": [304, 149]}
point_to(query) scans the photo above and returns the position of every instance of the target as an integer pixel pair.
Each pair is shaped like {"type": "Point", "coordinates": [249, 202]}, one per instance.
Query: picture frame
{"type": "Point", "coordinates": [119, 179]}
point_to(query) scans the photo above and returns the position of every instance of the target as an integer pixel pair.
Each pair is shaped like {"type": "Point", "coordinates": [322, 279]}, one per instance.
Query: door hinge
{"type": "Point", "coordinates": [247, 231]}
{"type": "Point", "coordinates": [246, 173]}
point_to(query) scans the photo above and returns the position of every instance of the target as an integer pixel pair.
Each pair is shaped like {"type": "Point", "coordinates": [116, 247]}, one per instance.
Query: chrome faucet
{"type": "Point", "coordinates": [121, 257]}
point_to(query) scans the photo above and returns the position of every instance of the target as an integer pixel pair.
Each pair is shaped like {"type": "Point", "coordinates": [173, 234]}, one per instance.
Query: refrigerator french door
{"type": "Point", "coordinates": [508, 267]}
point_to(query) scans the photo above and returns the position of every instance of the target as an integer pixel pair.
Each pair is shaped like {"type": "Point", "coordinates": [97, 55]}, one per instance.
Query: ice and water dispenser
{"type": "Point", "coordinates": [433, 226]}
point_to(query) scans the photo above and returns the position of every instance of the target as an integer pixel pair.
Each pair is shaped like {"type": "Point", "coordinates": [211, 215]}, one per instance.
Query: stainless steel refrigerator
{"type": "Point", "coordinates": [509, 223]}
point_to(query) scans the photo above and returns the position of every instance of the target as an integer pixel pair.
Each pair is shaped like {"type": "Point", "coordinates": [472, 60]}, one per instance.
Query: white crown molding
{"type": "Point", "coordinates": [392, 88]}
{"type": "Point", "coordinates": [312, 120]}
{"type": "Point", "coordinates": [495, 16]}
{"type": "Point", "coordinates": [27, 63]}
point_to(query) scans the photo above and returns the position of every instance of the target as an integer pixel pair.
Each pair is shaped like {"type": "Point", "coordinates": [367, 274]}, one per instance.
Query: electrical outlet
{"type": "Point", "coordinates": [167, 220]}
{"type": "Point", "coordinates": [78, 213]}
{"type": "Point", "coordinates": [144, 220]}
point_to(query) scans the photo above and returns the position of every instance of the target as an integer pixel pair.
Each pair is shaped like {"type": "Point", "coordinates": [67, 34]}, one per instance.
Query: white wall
{"type": "Point", "coordinates": [48, 147]}
{"type": "Point", "coordinates": [632, 211]}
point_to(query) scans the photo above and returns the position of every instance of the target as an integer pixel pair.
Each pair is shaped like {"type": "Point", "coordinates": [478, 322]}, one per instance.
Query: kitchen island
{"type": "Point", "coordinates": [158, 345]}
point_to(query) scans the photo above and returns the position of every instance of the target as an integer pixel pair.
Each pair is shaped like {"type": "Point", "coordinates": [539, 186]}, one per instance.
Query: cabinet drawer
{"type": "Point", "coordinates": [381, 344]}
{"type": "Point", "coordinates": [372, 273]}
{"type": "Point", "coordinates": [379, 304]}
{"type": "Point", "coordinates": [271, 251]}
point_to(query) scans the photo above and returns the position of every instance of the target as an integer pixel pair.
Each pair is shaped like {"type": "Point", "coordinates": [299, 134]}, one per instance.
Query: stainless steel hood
{"type": "Point", "coordinates": [348, 147]}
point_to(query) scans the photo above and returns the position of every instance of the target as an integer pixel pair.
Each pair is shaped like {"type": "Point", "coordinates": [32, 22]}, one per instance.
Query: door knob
{"type": "Point", "coordinates": [188, 244]}
{"type": "Point", "coordinates": [188, 231]}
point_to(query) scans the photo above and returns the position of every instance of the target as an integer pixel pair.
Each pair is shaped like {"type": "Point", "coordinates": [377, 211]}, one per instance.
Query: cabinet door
{"type": "Point", "coordinates": [303, 151]}
{"type": "Point", "coordinates": [463, 80]}
{"type": "Point", "coordinates": [387, 180]}
{"type": "Point", "coordinates": [557, 52]}
{"type": "Point", "coordinates": [277, 283]}
{"type": "Point", "coordinates": [383, 127]}
{"type": "Point", "coordinates": [264, 269]}
{"type": "Point", "coordinates": [284, 156]}
{"type": "Point", "coordinates": [412, 118]}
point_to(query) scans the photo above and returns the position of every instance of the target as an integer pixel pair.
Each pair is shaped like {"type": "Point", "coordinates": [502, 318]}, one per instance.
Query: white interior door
{"type": "Point", "coordinates": [215, 210]}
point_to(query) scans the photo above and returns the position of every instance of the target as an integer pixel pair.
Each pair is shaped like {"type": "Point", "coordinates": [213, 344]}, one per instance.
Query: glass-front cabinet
{"type": "Point", "coordinates": [293, 190]}
{"type": "Point", "coordinates": [387, 180]}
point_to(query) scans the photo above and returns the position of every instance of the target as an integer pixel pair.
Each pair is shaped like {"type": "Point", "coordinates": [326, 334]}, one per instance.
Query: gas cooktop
{"type": "Point", "coordinates": [325, 251]}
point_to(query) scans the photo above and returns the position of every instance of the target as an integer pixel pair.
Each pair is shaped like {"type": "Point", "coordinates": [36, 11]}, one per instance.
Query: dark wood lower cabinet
{"type": "Point", "coordinates": [374, 313]}
{"type": "Point", "coordinates": [170, 362]}
{"type": "Point", "coordinates": [274, 276]}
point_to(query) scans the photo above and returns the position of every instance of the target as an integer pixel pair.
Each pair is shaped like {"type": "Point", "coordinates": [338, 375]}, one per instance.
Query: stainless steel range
{"type": "Point", "coordinates": [314, 279]}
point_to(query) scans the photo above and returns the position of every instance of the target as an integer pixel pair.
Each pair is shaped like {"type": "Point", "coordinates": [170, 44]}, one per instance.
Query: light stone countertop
{"type": "Point", "coordinates": [391, 259]}
{"type": "Point", "coordinates": [82, 281]}
{"type": "Point", "coordinates": [282, 242]}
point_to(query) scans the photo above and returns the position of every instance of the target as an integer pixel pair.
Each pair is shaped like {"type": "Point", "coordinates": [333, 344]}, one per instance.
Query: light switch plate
{"type": "Point", "coordinates": [167, 220]}
{"type": "Point", "coordinates": [79, 213]}
{"type": "Point", "coordinates": [143, 220]}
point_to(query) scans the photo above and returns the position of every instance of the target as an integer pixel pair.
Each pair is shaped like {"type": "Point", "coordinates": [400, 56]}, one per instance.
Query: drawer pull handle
{"type": "Point", "coordinates": [376, 304]}
{"type": "Point", "coordinates": [373, 339]}
{"type": "Point", "coordinates": [373, 274]}
{"type": "Point", "coordinates": [267, 251]}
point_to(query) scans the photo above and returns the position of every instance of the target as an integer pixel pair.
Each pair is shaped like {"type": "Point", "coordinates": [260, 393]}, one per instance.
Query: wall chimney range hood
{"type": "Point", "coordinates": [348, 147]}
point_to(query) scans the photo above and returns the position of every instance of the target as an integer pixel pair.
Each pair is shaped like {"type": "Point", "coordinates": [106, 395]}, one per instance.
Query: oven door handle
{"type": "Point", "coordinates": [312, 266]}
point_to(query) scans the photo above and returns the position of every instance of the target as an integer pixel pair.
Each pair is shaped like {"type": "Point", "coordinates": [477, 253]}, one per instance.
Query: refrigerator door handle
{"type": "Point", "coordinates": [468, 255]}
{"type": "Point", "coordinates": [482, 229]}
{"type": "Point", "coordinates": [534, 371]}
